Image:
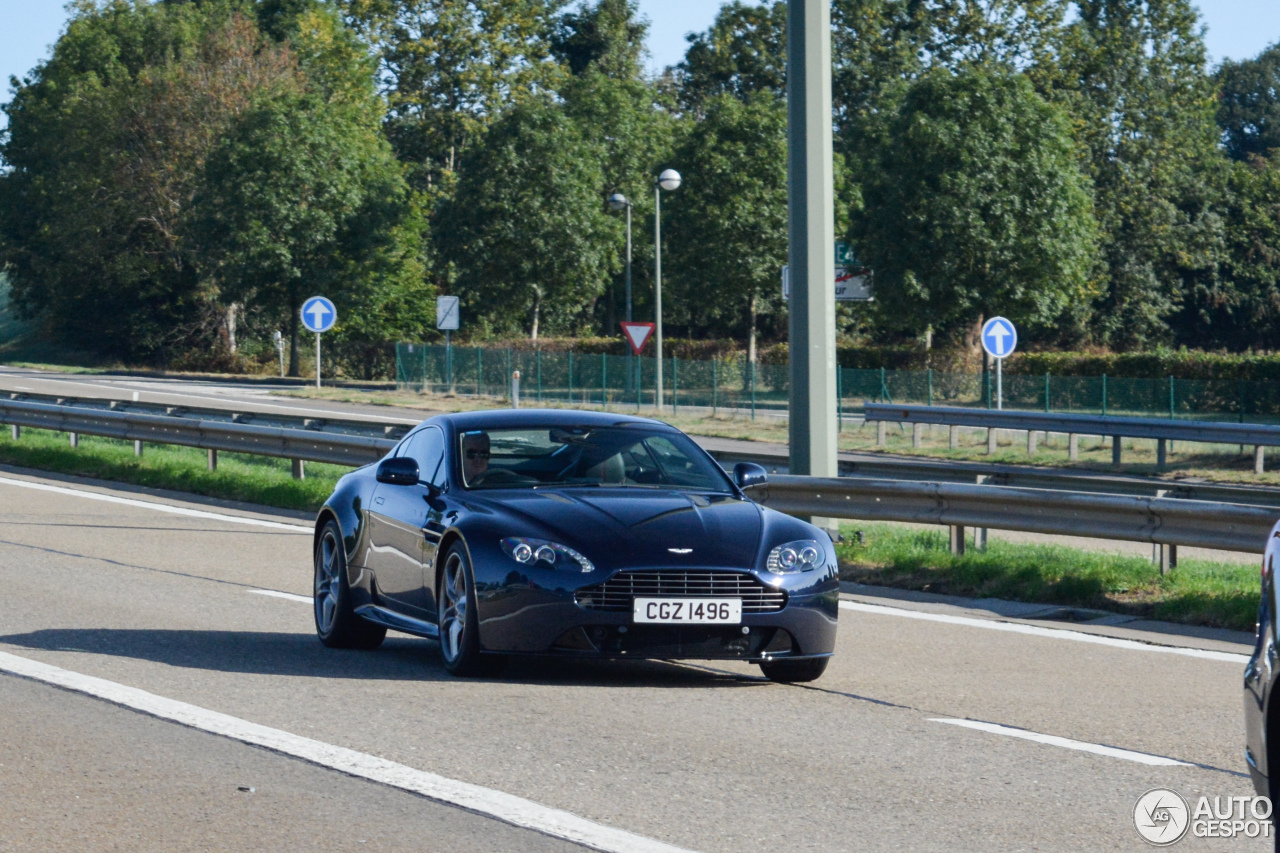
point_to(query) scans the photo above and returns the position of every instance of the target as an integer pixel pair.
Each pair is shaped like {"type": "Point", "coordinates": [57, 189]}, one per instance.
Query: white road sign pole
{"type": "Point", "coordinates": [319, 316]}
{"type": "Point", "coordinates": [999, 339]}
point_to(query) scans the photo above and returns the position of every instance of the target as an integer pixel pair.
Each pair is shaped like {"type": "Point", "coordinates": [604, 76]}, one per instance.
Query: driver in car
{"type": "Point", "coordinates": [475, 455]}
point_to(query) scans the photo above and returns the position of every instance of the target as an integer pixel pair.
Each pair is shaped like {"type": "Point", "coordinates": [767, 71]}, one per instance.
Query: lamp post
{"type": "Point", "coordinates": [669, 180]}
{"type": "Point", "coordinates": [618, 201]}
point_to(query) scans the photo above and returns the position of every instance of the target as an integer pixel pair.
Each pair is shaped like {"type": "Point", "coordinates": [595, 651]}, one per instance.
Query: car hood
{"type": "Point", "coordinates": [639, 527]}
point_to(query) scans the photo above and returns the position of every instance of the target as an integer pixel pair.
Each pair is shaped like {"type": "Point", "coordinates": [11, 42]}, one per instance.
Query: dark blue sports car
{"type": "Point", "coordinates": [578, 534]}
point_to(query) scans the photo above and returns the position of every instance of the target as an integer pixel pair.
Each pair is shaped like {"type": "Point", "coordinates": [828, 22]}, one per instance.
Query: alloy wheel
{"type": "Point", "coordinates": [453, 621]}
{"type": "Point", "coordinates": [328, 583]}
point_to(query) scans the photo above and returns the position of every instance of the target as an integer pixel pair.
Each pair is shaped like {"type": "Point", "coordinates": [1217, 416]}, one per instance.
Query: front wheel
{"type": "Point", "coordinates": [337, 624]}
{"type": "Point", "coordinates": [458, 623]}
{"type": "Point", "coordinates": [794, 671]}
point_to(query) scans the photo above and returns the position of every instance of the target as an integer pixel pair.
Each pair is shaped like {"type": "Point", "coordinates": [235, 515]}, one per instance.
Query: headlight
{"type": "Point", "coordinates": [803, 555]}
{"type": "Point", "coordinates": [532, 552]}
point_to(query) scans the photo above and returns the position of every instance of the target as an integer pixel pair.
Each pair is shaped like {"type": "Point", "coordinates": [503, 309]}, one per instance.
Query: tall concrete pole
{"type": "Point", "coordinates": [810, 202]}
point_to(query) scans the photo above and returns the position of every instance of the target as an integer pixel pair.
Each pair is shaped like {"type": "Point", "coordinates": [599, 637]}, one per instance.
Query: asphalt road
{"type": "Point", "coordinates": [710, 758]}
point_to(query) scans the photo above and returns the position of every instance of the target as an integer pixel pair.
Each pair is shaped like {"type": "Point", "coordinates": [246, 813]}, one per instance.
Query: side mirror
{"type": "Point", "coordinates": [398, 471]}
{"type": "Point", "coordinates": [749, 475]}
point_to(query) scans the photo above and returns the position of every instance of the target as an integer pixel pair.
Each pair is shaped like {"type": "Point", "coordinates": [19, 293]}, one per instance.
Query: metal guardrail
{"type": "Point", "coordinates": [1162, 430]}
{"type": "Point", "coordinates": [1212, 432]}
{"type": "Point", "coordinates": [1019, 476]}
{"type": "Point", "coordinates": [231, 436]}
{"type": "Point", "coordinates": [1161, 521]}
{"type": "Point", "coordinates": [238, 414]}
{"type": "Point", "coordinates": [1086, 512]}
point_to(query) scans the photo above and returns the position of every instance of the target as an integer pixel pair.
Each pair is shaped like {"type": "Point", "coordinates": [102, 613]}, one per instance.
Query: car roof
{"type": "Point", "coordinates": [516, 418]}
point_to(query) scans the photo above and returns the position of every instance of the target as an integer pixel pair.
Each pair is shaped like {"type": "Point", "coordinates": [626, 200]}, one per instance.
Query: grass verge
{"type": "Point", "coordinates": [254, 479]}
{"type": "Point", "coordinates": [1197, 592]}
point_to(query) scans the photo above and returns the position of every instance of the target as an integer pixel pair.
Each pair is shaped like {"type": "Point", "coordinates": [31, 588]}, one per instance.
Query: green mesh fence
{"type": "Point", "coordinates": [732, 384]}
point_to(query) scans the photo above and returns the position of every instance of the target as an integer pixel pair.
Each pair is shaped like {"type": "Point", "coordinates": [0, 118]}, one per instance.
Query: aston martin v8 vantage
{"type": "Point", "coordinates": [576, 534]}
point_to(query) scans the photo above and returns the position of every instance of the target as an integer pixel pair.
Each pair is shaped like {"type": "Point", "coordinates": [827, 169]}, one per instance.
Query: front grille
{"type": "Point", "coordinates": [618, 592]}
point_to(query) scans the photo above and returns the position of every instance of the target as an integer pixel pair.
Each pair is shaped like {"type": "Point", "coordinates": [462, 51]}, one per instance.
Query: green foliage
{"type": "Point", "coordinates": [526, 229]}
{"type": "Point", "coordinates": [173, 167]}
{"type": "Point", "coordinates": [449, 68]}
{"type": "Point", "coordinates": [1249, 104]}
{"type": "Point", "coordinates": [973, 206]}
{"type": "Point", "coordinates": [1157, 364]}
{"type": "Point", "coordinates": [1131, 75]}
{"type": "Point", "coordinates": [726, 227]}
{"type": "Point", "coordinates": [743, 52]}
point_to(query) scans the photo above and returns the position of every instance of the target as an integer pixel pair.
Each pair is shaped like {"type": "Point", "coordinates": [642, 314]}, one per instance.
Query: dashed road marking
{"type": "Point", "coordinates": [1066, 743]}
{"type": "Point", "coordinates": [1037, 631]}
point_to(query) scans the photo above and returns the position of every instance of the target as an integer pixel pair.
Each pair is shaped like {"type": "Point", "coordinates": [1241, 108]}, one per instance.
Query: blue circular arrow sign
{"type": "Point", "coordinates": [318, 314]}
{"type": "Point", "coordinates": [999, 337]}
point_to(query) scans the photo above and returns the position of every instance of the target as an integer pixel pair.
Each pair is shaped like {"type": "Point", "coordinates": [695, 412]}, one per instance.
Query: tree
{"type": "Point", "coordinates": [106, 143]}
{"type": "Point", "coordinates": [1249, 104]}
{"type": "Point", "coordinates": [302, 197]}
{"type": "Point", "coordinates": [743, 52]}
{"type": "Point", "coordinates": [974, 205]}
{"type": "Point", "coordinates": [449, 67]}
{"type": "Point", "coordinates": [173, 166]}
{"type": "Point", "coordinates": [608, 97]}
{"type": "Point", "coordinates": [728, 222]}
{"type": "Point", "coordinates": [525, 231]}
{"type": "Point", "coordinates": [1239, 306]}
{"type": "Point", "coordinates": [1131, 74]}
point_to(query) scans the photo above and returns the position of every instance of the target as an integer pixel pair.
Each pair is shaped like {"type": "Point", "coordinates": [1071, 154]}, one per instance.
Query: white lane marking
{"type": "Point", "coordinates": [505, 807]}
{"type": "Point", "coordinates": [1068, 743]}
{"type": "Point", "coordinates": [174, 510]}
{"type": "Point", "coordinates": [1037, 631]}
{"type": "Point", "coordinates": [305, 599]}
{"type": "Point", "coordinates": [228, 397]}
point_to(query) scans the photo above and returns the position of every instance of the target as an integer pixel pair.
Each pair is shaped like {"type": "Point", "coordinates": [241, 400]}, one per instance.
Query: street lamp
{"type": "Point", "coordinates": [618, 201]}
{"type": "Point", "coordinates": [669, 180]}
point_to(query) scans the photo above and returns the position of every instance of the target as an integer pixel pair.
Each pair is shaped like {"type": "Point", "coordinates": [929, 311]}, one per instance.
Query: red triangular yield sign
{"type": "Point", "coordinates": [637, 334]}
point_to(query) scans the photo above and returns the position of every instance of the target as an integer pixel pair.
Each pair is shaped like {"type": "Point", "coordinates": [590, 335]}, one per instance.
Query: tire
{"type": "Point", "coordinates": [338, 625]}
{"type": "Point", "coordinates": [456, 617]}
{"type": "Point", "coordinates": [794, 671]}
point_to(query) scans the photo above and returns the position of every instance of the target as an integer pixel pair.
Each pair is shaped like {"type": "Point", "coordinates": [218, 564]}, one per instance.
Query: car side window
{"type": "Point", "coordinates": [426, 447]}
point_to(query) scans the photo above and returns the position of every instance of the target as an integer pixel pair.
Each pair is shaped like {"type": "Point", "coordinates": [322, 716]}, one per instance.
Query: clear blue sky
{"type": "Point", "coordinates": [1237, 29]}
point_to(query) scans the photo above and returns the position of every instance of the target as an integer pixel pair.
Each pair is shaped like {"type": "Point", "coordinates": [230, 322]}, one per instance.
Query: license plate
{"type": "Point", "coordinates": [688, 611]}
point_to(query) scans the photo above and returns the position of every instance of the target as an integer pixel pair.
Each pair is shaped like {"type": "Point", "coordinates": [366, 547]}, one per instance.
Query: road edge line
{"type": "Point", "coordinates": [152, 505]}
{"type": "Point", "coordinates": [507, 808]}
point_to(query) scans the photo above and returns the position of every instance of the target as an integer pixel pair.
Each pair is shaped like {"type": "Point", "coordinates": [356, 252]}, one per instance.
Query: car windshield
{"type": "Point", "coordinates": [625, 455]}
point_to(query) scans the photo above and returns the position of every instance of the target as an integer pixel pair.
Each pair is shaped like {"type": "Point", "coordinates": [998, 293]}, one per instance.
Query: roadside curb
{"type": "Point", "coordinates": [1065, 618]}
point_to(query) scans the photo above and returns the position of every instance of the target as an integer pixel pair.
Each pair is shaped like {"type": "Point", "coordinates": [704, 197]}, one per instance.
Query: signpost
{"type": "Point", "coordinates": [853, 280]}
{"type": "Point", "coordinates": [999, 339]}
{"type": "Point", "coordinates": [279, 342]}
{"type": "Point", "coordinates": [318, 315]}
{"type": "Point", "coordinates": [447, 313]}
